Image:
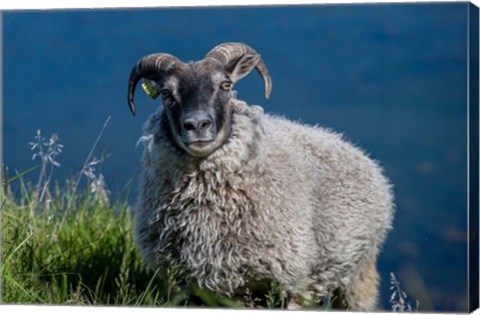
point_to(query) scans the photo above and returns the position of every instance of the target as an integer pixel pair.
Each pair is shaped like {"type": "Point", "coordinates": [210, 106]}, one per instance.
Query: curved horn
{"type": "Point", "coordinates": [228, 52]}
{"type": "Point", "coordinates": [153, 66]}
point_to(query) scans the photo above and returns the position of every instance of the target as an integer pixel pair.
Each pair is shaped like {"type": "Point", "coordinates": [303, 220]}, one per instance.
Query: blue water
{"type": "Point", "coordinates": [392, 78]}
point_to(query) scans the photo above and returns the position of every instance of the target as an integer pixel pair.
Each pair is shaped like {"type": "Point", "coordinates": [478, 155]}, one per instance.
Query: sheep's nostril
{"type": "Point", "coordinates": [189, 124]}
{"type": "Point", "coordinates": [204, 124]}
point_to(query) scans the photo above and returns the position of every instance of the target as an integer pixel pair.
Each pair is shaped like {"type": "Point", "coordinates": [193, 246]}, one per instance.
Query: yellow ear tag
{"type": "Point", "coordinates": [151, 88]}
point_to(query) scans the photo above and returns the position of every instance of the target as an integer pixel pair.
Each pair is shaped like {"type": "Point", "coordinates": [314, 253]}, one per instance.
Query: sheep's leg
{"type": "Point", "coordinates": [362, 294]}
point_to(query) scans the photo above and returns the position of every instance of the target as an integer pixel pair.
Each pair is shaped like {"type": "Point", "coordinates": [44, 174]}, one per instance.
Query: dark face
{"type": "Point", "coordinates": [196, 103]}
{"type": "Point", "coordinates": [196, 96]}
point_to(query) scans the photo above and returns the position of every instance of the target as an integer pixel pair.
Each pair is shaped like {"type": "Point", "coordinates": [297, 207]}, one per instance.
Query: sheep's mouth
{"type": "Point", "coordinates": [200, 148]}
{"type": "Point", "coordinates": [190, 139]}
{"type": "Point", "coordinates": [199, 144]}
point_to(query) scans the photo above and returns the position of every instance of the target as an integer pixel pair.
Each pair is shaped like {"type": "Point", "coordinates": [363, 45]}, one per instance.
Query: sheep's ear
{"type": "Point", "coordinates": [239, 68]}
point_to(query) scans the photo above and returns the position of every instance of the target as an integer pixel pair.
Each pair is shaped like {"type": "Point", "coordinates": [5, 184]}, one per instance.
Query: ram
{"type": "Point", "coordinates": [237, 199]}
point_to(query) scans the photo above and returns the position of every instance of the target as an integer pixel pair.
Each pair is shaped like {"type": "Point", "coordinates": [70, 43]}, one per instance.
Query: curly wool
{"type": "Point", "coordinates": [278, 201]}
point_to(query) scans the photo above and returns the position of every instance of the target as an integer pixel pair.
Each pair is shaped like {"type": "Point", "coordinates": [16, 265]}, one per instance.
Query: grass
{"type": "Point", "coordinates": [76, 251]}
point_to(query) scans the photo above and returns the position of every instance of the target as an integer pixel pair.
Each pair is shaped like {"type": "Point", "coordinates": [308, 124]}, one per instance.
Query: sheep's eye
{"type": "Point", "coordinates": [226, 86]}
{"type": "Point", "coordinates": [165, 93]}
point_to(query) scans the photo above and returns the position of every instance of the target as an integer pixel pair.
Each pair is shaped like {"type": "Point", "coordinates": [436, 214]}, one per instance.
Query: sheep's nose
{"type": "Point", "coordinates": [197, 122]}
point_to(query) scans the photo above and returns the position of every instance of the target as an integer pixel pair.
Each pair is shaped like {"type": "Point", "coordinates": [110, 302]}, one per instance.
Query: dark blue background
{"type": "Point", "coordinates": [392, 78]}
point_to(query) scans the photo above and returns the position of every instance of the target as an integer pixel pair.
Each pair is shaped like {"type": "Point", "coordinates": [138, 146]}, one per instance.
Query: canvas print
{"type": "Point", "coordinates": [300, 157]}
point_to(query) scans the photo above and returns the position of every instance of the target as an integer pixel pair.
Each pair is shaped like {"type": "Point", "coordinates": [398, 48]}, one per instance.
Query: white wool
{"type": "Point", "coordinates": [278, 201]}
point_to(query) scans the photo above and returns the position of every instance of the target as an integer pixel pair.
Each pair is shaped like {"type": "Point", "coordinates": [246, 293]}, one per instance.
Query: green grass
{"type": "Point", "coordinates": [77, 250]}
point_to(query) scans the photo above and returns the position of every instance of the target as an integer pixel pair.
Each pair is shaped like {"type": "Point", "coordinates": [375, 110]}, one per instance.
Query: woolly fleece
{"type": "Point", "coordinates": [278, 201]}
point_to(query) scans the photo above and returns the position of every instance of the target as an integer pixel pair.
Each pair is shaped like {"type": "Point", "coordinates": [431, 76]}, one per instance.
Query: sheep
{"type": "Point", "coordinates": [237, 199]}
